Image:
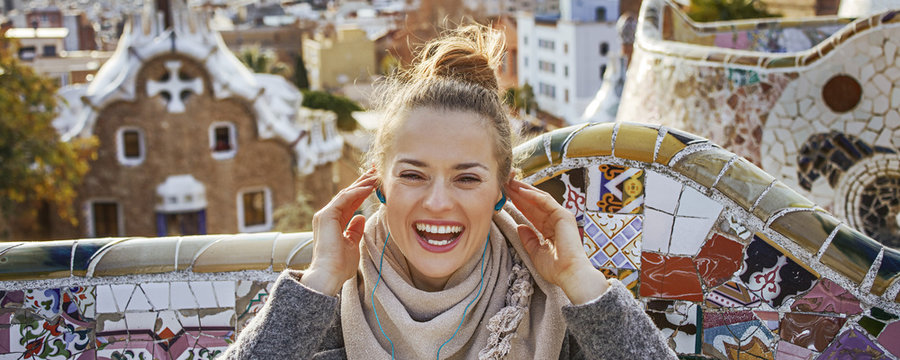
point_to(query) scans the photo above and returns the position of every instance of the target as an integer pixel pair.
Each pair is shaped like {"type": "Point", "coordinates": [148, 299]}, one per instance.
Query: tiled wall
{"type": "Point", "coordinates": [728, 262]}
{"type": "Point", "coordinates": [813, 102]}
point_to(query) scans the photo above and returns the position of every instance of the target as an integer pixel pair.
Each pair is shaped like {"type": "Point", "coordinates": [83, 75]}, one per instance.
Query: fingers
{"type": "Point", "coordinates": [529, 239]}
{"type": "Point", "coordinates": [356, 228]}
{"type": "Point", "coordinates": [350, 198]}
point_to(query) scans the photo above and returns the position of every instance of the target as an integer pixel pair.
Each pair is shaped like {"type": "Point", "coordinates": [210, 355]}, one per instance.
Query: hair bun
{"type": "Point", "coordinates": [469, 53]}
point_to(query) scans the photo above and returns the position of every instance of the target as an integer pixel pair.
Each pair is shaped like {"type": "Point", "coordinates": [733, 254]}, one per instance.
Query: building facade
{"type": "Point", "coordinates": [564, 57]}
{"type": "Point", "coordinates": [191, 142]}
{"type": "Point", "coordinates": [344, 58]}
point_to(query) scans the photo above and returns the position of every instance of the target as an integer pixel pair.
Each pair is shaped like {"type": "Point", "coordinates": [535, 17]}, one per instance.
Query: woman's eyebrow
{"type": "Point", "coordinates": [470, 165]}
{"type": "Point", "coordinates": [413, 162]}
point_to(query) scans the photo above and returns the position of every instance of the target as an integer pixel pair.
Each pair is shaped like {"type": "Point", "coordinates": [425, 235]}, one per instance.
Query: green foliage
{"type": "Point", "coordinates": [342, 106]}
{"type": "Point", "coordinates": [294, 217]}
{"type": "Point", "coordinates": [35, 165]}
{"type": "Point", "coordinates": [262, 62]}
{"type": "Point", "coordinates": [521, 98]}
{"type": "Point", "coordinates": [300, 78]}
{"type": "Point", "coordinates": [722, 10]}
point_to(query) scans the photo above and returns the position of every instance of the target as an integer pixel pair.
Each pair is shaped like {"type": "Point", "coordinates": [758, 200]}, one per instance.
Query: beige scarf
{"type": "Point", "coordinates": [511, 318]}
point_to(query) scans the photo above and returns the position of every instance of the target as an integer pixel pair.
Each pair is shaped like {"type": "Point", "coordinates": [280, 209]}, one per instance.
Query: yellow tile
{"type": "Point", "coordinates": [191, 246]}
{"type": "Point", "coordinates": [636, 142]}
{"type": "Point", "coordinates": [594, 140]}
{"type": "Point", "coordinates": [133, 257]}
{"type": "Point", "coordinates": [558, 140]}
{"type": "Point", "coordinates": [809, 229]}
{"type": "Point", "coordinates": [744, 182]}
{"type": "Point", "coordinates": [237, 252]}
{"type": "Point", "coordinates": [888, 272]}
{"type": "Point", "coordinates": [286, 246]}
{"type": "Point", "coordinates": [673, 142]}
{"type": "Point", "coordinates": [533, 156]}
{"type": "Point", "coordinates": [779, 197]}
{"type": "Point", "coordinates": [703, 166]}
{"type": "Point", "coordinates": [302, 255]}
{"type": "Point", "coordinates": [851, 253]}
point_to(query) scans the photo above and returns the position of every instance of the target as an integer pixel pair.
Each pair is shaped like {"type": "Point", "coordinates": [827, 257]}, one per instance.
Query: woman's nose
{"type": "Point", "coordinates": [438, 199]}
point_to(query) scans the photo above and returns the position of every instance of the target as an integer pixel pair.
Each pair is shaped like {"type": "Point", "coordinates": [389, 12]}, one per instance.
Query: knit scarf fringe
{"type": "Point", "coordinates": [504, 323]}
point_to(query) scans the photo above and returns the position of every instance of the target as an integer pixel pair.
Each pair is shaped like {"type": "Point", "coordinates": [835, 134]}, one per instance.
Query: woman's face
{"type": "Point", "coordinates": [441, 186]}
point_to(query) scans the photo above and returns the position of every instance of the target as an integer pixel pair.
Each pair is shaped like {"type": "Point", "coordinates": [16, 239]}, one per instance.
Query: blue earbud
{"type": "Point", "coordinates": [380, 196]}
{"type": "Point", "coordinates": [500, 203]}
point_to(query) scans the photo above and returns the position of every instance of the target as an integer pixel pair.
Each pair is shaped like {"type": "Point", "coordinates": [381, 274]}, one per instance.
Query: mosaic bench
{"type": "Point", "coordinates": [728, 261]}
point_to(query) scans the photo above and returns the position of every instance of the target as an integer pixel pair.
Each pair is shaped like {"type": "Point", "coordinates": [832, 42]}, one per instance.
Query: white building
{"type": "Point", "coordinates": [563, 57]}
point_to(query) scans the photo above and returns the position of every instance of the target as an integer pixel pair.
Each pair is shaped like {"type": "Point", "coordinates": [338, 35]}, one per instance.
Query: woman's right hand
{"type": "Point", "coordinates": [336, 235]}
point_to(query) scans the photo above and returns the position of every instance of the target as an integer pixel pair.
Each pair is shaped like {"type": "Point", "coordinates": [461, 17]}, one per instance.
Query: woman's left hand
{"type": "Point", "coordinates": [560, 259]}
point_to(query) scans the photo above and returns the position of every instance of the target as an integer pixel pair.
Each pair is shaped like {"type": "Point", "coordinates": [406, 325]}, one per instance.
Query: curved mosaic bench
{"type": "Point", "coordinates": [815, 102]}
{"type": "Point", "coordinates": [728, 261]}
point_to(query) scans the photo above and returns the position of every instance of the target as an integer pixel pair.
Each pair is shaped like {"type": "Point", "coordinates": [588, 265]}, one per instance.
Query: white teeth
{"type": "Point", "coordinates": [439, 242]}
{"type": "Point", "coordinates": [438, 229]}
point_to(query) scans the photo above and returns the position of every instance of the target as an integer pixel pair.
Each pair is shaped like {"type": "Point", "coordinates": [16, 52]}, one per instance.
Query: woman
{"type": "Point", "coordinates": [446, 269]}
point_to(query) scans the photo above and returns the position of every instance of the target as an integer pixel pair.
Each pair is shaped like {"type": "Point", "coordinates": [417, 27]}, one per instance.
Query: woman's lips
{"type": "Point", "coordinates": [438, 237]}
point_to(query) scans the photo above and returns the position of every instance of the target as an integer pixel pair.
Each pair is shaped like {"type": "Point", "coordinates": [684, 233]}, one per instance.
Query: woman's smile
{"type": "Point", "coordinates": [438, 236]}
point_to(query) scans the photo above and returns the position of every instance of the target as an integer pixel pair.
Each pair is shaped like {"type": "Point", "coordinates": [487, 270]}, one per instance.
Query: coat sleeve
{"type": "Point", "coordinates": [291, 325]}
{"type": "Point", "coordinates": [614, 326]}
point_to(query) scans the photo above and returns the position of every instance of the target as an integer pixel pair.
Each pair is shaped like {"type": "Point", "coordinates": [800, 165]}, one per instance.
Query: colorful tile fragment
{"type": "Point", "coordinates": [852, 344]}
{"type": "Point", "coordinates": [678, 322]}
{"type": "Point", "coordinates": [669, 277]}
{"type": "Point", "coordinates": [735, 335]}
{"type": "Point", "coordinates": [731, 294]}
{"type": "Point", "coordinates": [890, 338]}
{"type": "Point", "coordinates": [568, 190]}
{"type": "Point", "coordinates": [788, 351]}
{"type": "Point", "coordinates": [613, 240]}
{"type": "Point", "coordinates": [719, 259]}
{"type": "Point", "coordinates": [615, 189]}
{"type": "Point", "coordinates": [828, 296]}
{"type": "Point", "coordinates": [773, 276]}
{"type": "Point", "coordinates": [813, 332]}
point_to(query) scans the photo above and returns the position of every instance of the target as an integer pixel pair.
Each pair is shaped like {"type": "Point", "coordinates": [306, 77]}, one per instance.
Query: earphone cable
{"type": "Point", "coordinates": [375, 310]}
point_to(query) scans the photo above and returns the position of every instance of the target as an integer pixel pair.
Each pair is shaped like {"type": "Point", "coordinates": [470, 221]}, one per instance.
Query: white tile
{"type": "Point", "coordinates": [168, 319]}
{"type": "Point", "coordinates": [138, 301]}
{"type": "Point", "coordinates": [141, 320]}
{"type": "Point", "coordinates": [224, 291]}
{"type": "Point", "coordinates": [657, 230]}
{"type": "Point", "coordinates": [695, 204]}
{"type": "Point", "coordinates": [188, 319]}
{"type": "Point", "coordinates": [689, 234]}
{"type": "Point", "coordinates": [111, 324]}
{"type": "Point", "coordinates": [203, 292]}
{"type": "Point", "coordinates": [122, 293]}
{"type": "Point", "coordinates": [106, 302]}
{"type": "Point", "coordinates": [592, 193]}
{"type": "Point", "coordinates": [158, 294]}
{"type": "Point", "coordinates": [223, 318]}
{"type": "Point", "coordinates": [661, 192]}
{"type": "Point", "coordinates": [181, 297]}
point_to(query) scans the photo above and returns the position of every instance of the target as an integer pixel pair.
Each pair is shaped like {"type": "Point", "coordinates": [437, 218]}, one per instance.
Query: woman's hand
{"type": "Point", "coordinates": [336, 233]}
{"type": "Point", "coordinates": [560, 259]}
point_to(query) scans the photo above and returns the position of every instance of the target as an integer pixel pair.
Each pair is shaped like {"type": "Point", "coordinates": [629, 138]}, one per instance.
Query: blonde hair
{"type": "Point", "coordinates": [454, 72]}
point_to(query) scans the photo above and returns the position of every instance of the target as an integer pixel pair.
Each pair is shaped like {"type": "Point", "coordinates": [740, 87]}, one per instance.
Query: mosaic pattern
{"type": "Point", "coordinates": [743, 276]}
{"type": "Point", "coordinates": [812, 101]}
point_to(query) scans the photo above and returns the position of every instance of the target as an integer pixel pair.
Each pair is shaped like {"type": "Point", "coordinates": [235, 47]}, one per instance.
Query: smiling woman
{"type": "Point", "coordinates": [447, 269]}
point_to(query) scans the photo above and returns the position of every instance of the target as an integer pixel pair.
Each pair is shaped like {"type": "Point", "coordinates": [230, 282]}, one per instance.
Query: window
{"type": "Point", "coordinates": [26, 53]}
{"type": "Point", "coordinates": [604, 48]}
{"type": "Point", "coordinates": [602, 71]}
{"type": "Point", "coordinates": [525, 40]}
{"type": "Point", "coordinates": [547, 66]}
{"type": "Point", "coordinates": [565, 48]}
{"type": "Point", "coordinates": [254, 210]}
{"type": "Point", "coordinates": [567, 95]}
{"type": "Point", "coordinates": [546, 44]}
{"type": "Point", "coordinates": [104, 219]}
{"type": "Point", "coordinates": [222, 140]}
{"type": "Point", "coordinates": [49, 50]}
{"type": "Point", "coordinates": [547, 90]}
{"type": "Point", "coordinates": [566, 70]}
{"type": "Point", "coordinates": [526, 61]}
{"type": "Point", "coordinates": [600, 13]}
{"type": "Point", "coordinates": [130, 146]}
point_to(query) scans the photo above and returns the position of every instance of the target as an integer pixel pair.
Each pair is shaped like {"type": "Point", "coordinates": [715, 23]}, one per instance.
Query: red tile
{"type": "Point", "coordinates": [669, 277]}
{"type": "Point", "coordinates": [813, 332]}
{"type": "Point", "coordinates": [828, 296]}
{"type": "Point", "coordinates": [719, 259]}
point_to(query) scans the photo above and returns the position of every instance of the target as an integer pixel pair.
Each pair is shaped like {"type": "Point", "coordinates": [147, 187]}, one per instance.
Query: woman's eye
{"type": "Point", "coordinates": [411, 176]}
{"type": "Point", "coordinates": [469, 179]}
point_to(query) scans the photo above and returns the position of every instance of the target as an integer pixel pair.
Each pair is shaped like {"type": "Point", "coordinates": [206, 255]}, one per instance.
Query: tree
{"type": "Point", "coordinates": [720, 10]}
{"type": "Point", "coordinates": [296, 216]}
{"type": "Point", "coordinates": [263, 62]}
{"type": "Point", "coordinates": [521, 98]}
{"type": "Point", "coordinates": [300, 78]}
{"type": "Point", "coordinates": [342, 106]}
{"type": "Point", "coordinates": [36, 167]}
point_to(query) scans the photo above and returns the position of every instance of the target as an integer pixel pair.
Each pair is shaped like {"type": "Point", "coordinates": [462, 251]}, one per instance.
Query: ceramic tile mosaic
{"type": "Point", "coordinates": [615, 189]}
{"type": "Point", "coordinates": [719, 259]}
{"type": "Point", "coordinates": [728, 334]}
{"type": "Point", "coordinates": [678, 322]}
{"type": "Point", "coordinates": [814, 332]}
{"type": "Point", "coordinates": [683, 229]}
{"type": "Point", "coordinates": [828, 297]}
{"type": "Point", "coordinates": [772, 275]}
{"type": "Point", "coordinates": [853, 344]}
{"type": "Point", "coordinates": [669, 277]}
{"type": "Point", "coordinates": [568, 189]}
{"type": "Point", "coordinates": [613, 240]}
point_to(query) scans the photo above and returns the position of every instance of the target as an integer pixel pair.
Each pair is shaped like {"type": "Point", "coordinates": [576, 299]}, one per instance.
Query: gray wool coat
{"type": "Point", "coordinates": [299, 323]}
